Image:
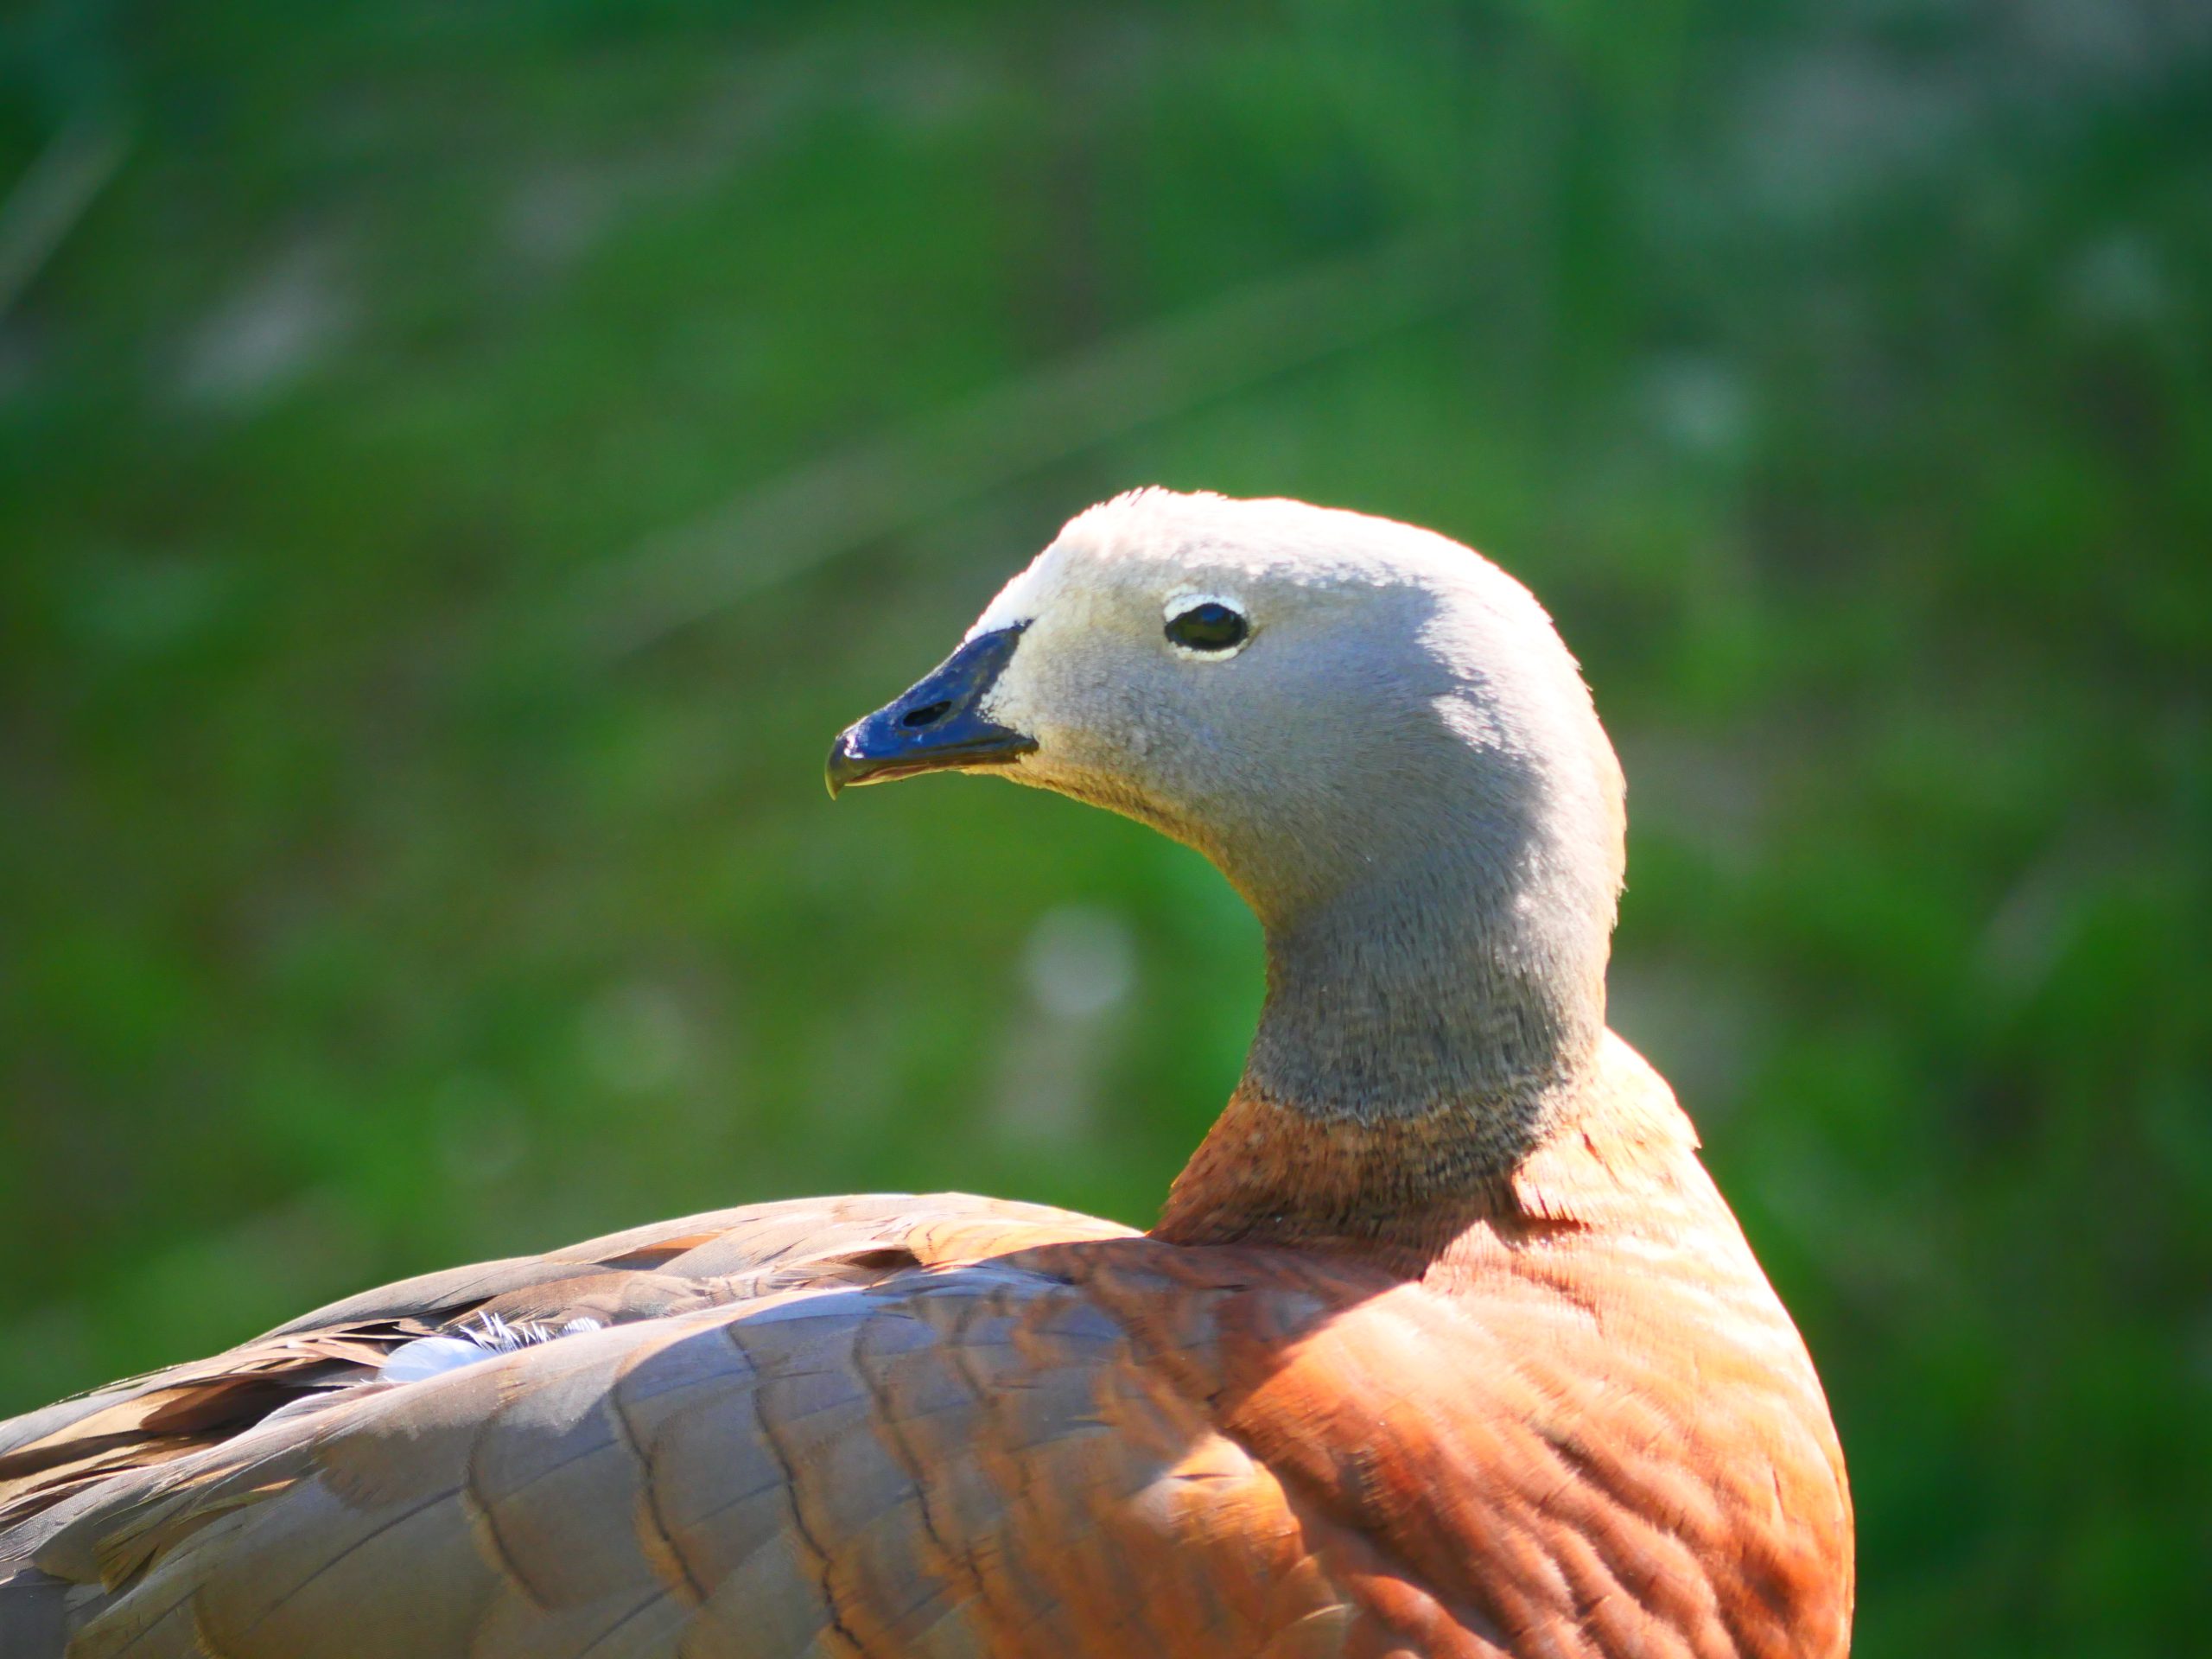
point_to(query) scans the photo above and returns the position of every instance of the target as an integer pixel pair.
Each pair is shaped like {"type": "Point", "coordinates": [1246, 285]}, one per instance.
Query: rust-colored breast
{"type": "Point", "coordinates": [1560, 1440]}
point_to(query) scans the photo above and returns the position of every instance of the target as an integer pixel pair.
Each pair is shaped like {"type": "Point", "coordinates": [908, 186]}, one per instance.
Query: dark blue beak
{"type": "Point", "coordinates": [936, 725]}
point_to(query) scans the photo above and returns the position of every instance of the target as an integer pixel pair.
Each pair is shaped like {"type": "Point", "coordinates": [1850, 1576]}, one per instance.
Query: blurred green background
{"type": "Point", "coordinates": [460, 464]}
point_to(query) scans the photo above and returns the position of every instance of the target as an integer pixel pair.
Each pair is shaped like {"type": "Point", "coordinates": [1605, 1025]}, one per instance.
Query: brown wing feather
{"type": "Point", "coordinates": [644, 1272]}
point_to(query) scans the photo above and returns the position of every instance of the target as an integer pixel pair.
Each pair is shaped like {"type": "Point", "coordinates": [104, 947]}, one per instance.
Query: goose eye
{"type": "Point", "coordinates": [1209, 625]}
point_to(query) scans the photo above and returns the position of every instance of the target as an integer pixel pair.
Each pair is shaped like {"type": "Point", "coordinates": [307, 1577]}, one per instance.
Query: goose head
{"type": "Point", "coordinates": [1373, 732]}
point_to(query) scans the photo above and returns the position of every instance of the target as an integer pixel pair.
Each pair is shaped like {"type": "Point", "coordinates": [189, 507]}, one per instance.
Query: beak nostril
{"type": "Point", "coordinates": [928, 715]}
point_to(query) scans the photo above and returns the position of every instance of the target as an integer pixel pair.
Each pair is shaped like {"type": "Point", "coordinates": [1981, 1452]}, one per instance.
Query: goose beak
{"type": "Point", "coordinates": [937, 725]}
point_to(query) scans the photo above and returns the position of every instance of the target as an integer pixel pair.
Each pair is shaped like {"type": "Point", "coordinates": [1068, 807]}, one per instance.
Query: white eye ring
{"type": "Point", "coordinates": [1183, 603]}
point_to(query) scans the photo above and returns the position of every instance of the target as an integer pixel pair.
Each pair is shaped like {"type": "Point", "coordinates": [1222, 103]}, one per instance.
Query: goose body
{"type": "Point", "coordinates": [1444, 1344]}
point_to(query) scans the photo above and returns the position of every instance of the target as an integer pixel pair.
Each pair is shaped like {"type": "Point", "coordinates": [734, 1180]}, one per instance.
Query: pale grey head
{"type": "Point", "coordinates": [1372, 731]}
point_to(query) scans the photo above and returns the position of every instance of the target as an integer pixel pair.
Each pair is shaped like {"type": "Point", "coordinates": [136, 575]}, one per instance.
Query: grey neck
{"type": "Point", "coordinates": [1468, 976]}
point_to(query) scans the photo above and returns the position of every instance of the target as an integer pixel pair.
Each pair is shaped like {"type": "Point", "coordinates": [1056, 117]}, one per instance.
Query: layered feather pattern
{"type": "Point", "coordinates": [895, 1427]}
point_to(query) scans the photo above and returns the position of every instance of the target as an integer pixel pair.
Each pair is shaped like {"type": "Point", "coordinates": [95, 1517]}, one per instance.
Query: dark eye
{"type": "Point", "coordinates": [1211, 626]}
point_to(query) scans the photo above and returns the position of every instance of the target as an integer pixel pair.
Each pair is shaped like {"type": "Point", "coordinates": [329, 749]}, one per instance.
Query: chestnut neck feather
{"type": "Point", "coordinates": [1423, 1197]}
{"type": "Point", "coordinates": [1270, 1173]}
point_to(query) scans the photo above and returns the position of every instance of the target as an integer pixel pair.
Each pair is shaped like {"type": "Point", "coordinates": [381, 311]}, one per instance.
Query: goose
{"type": "Point", "coordinates": [1444, 1344]}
